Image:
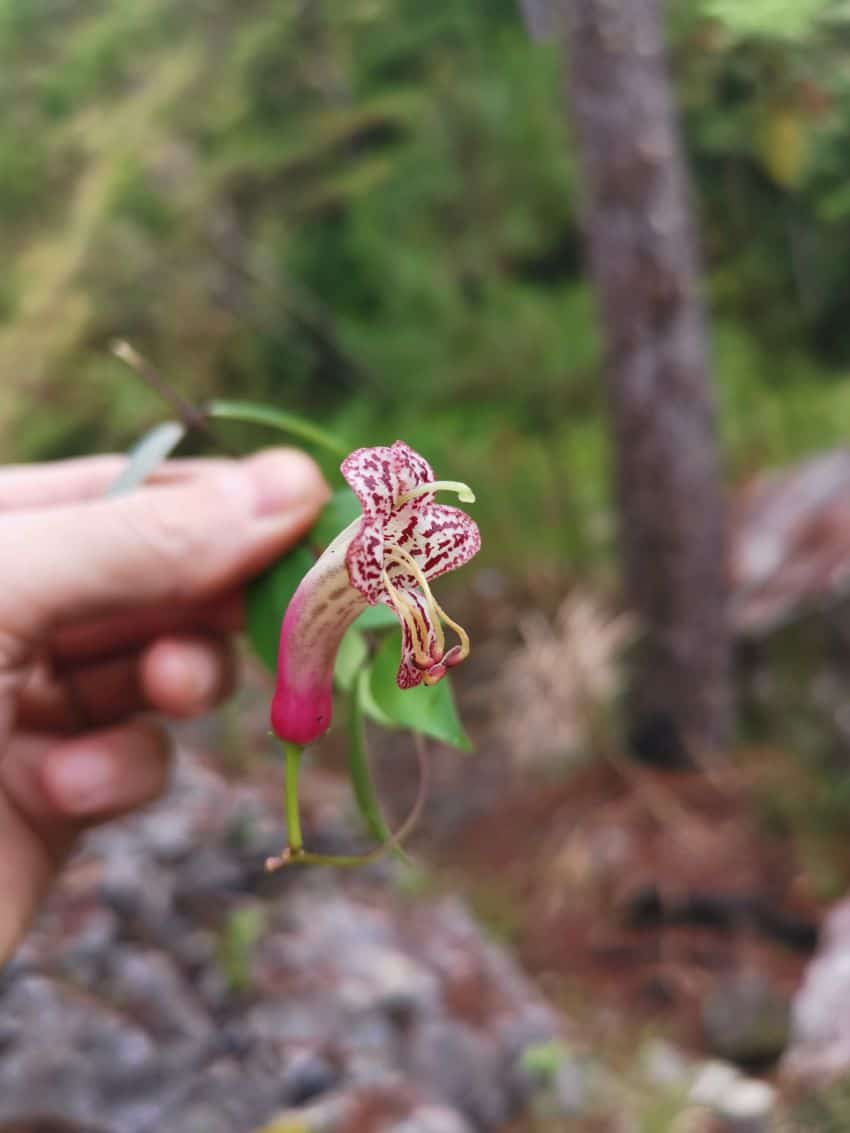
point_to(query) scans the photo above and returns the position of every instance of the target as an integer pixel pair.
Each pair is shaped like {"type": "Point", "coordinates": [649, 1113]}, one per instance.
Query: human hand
{"type": "Point", "coordinates": [111, 609]}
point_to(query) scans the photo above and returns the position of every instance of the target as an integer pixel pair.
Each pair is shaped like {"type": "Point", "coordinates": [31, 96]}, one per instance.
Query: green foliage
{"type": "Point", "coordinates": [340, 510]}
{"type": "Point", "coordinates": [430, 711]}
{"type": "Point", "coordinates": [136, 199]}
{"type": "Point", "coordinates": [21, 171]}
{"type": "Point", "coordinates": [237, 945]}
{"type": "Point", "coordinates": [288, 423]}
{"type": "Point", "coordinates": [366, 214]}
{"type": "Point", "coordinates": [543, 1060]}
{"type": "Point", "coordinates": [781, 19]}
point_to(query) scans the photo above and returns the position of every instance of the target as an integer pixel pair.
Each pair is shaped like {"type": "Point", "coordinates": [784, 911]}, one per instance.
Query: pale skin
{"type": "Point", "coordinates": [114, 613]}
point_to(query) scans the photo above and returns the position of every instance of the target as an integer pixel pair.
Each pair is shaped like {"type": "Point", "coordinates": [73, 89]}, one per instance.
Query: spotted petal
{"type": "Point", "coordinates": [365, 560]}
{"type": "Point", "coordinates": [440, 540]}
{"type": "Point", "coordinates": [379, 476]}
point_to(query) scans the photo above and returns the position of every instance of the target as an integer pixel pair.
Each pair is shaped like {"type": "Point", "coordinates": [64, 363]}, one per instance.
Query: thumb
{"type": "Point", "coordinates": [159, 545]}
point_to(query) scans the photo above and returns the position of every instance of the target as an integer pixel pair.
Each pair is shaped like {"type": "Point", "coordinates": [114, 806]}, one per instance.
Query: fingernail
{"type": "Point", "coordinates": [285, 479]}
{"type": "Point", "coordinates": [85, 782]}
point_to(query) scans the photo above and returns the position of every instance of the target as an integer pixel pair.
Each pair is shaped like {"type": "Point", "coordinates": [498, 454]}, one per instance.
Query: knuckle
{"type": "Point", "coordinates": [169, 542]}
{"type": "Point", "coordinates": [179, 537]}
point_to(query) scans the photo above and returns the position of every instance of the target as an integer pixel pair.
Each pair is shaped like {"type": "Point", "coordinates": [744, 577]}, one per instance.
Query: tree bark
{"type": "Point", "coordinates": [645, 267]}
{"type": "Point", "coordinates": [538, 17]}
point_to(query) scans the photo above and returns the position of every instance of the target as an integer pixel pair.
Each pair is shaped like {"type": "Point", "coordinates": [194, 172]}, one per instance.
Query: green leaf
{"type": "Point", "coordinates": [431, 710]}
{"type": "Point", "coordinates": [370, 708]}
{"type": "Point", "coordinates": [350, 658]}
{"type": "Point", "coordinates": [266, 601]}
{"type": "Point", "coordinates": [341, 509]}
{"type": "Point", "coordinates": [146, 455]}
{"type": "Point", "coordinates": [237, 945]}
{"type": "Point", "coordinates": [544, 1059]}
{"type": "Point", "coordinates": [377, 617]}
{"type": "Point", "coordinates": [255, 414]}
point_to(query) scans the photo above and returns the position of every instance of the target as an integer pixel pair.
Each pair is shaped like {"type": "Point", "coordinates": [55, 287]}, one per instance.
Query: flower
{"type": "Point", "coordinates": [401, 542]}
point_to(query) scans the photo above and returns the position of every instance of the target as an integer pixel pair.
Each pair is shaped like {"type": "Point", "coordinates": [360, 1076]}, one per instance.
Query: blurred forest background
{"type": "Point", "coordinates": [368, 212]}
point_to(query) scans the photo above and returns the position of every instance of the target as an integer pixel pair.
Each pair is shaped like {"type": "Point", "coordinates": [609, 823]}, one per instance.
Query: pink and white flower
{"type": "Point", "coordinates": [401, 542]}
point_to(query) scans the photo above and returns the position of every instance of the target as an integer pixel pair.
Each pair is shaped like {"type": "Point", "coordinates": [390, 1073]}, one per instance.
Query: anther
{"type": "Point", "coordinates": [434, 675]}
{"type": "Point", "coordinates": [408, 563]}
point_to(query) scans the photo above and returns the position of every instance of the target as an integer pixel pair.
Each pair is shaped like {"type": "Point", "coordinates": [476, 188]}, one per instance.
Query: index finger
{"type": "Point", "coordinates": [27, 486]}
{"type": "Point", "coordinates": [172, 546]}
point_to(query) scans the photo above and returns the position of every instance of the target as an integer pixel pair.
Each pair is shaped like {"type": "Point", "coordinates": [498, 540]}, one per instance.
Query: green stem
{"type": "Point", "coordinates": [297, 855]}
{"type": "Point", "coordinates": [358, 767]}
{"type": "Point", "coordinates": [254, 414]}
{"type": "Point", "coordinates": [293, 755]}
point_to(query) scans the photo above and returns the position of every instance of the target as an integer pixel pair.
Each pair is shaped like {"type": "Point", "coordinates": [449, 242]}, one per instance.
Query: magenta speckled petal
{"type": "Point", "coordinates": [379, 476]}
{"type": "Point", "coordinates": [390, 555]}
{"type": "Point", "coordinates": [365, 560]}
{"type": "Point", "coordinates": [440, 540]}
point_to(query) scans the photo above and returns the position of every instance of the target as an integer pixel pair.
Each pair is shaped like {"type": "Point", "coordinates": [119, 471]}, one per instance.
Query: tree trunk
{"type": "Point", "coordinates": [538, 17]}
{"type": "Point", "coordinates": [645, 268]}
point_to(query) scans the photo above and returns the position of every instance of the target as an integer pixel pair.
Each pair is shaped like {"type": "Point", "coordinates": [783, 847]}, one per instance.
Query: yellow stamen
{"type": "Point", "coordinates": [412, 618]}
{"type": "Point", "coordinates": [405, 560]}
{"type": "Point", "coordinates": [463, 636]}
{"type": "Point", "coordinates": [438, 615]}
{"type": "Point", "coordinates": [464, 492]}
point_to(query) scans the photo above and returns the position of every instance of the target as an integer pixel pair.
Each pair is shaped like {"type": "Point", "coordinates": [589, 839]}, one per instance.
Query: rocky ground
{"type": "Point", "coordinates": [172, 985]}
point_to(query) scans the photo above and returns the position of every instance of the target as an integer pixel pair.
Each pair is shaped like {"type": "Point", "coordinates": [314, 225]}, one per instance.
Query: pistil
{"type": "Point", "coordinates": [463, 491]}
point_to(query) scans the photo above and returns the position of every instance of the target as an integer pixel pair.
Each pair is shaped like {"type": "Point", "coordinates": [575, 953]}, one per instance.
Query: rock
{"type": "Point", "coordinates": [746, 1021]}
{"type": "Point", "coordinates": [694, 1119]}
{"type": "Point", "coordinates": [307, 1076]}
{"type": "Point", "coordinates": [45, 1125]}
{"type": "Point", "coordinates": [403, 989]}
{"type": "Point", "coordinates": [462, 1065]}
{"type": "Point", "coordinates": [358, 1004]}
{"type": "Point", "coordinates": [665, 1065]}
{"type": "Point", "coordinates": [326, 1116]}
{"type": "Point", "coordinates": [712, 1083]}
{"type": "Point", "coordinates": [432, 1119]}
{"type": "Point", "coordinates": [211, 874]}
{"type": "Point", "coordinates": [745, 1105]}
{"type": "Point", "coordinates": [87, 949]}
{"type": "Point", "coordinates": [63, 1045]}
{"type": "Point", "coordinates": [790, 543]}
{"type": "Point", "coordinates": [749, 1107]}
{"type": "Point", "coordinates": [170, 834]}
{"type": "Point", "coordinates": [573, 1087]}
{"type": "Point", "coordinates": [225, 1095]}
{"type": "Point", "coordinates": [148, 984]}
{"type": "Point", "coordinates": [820, 1017]}
{"type": "Point", "coordinates": [140, 893]}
